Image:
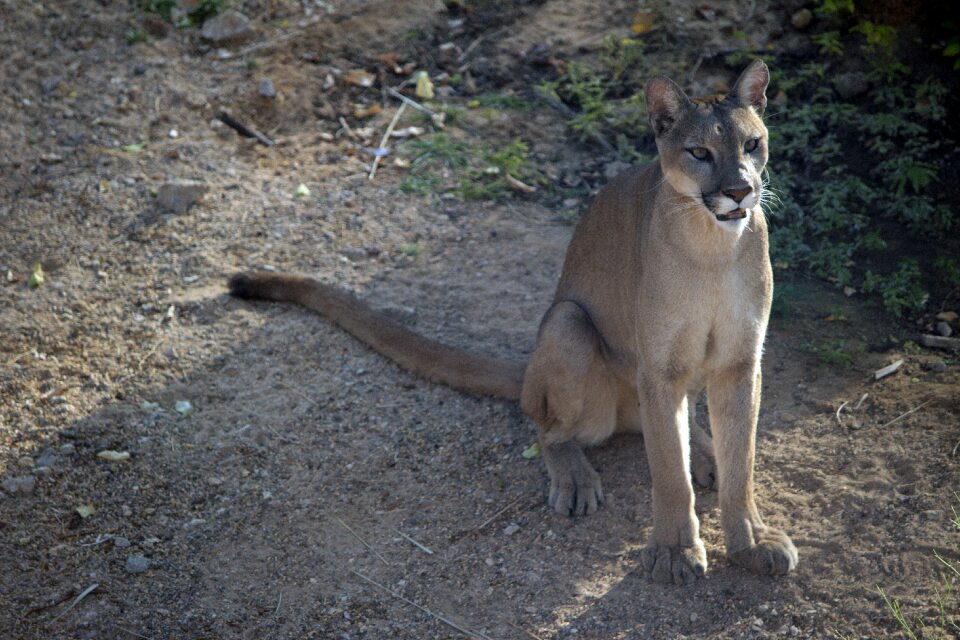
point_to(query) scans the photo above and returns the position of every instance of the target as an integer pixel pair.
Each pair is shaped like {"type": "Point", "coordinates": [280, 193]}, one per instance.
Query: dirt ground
{"type": "Point", "coordinates": [316, 490]}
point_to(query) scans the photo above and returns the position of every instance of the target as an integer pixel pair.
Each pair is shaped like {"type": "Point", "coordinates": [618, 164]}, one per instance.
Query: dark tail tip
{"type": "Point", "coordinates": [243, 285]}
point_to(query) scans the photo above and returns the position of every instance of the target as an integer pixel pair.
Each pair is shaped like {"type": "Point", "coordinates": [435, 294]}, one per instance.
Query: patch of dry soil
{"type": "Point", "coordinates": [317, 490]}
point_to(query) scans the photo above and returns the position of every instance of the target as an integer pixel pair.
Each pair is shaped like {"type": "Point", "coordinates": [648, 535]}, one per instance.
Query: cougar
{"type": "Point", "coordinates": [665, 292]}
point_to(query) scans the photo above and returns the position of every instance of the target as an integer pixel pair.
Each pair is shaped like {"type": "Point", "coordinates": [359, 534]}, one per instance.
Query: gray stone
{"type": "Point", "coordinates": [802, 19]}
{"type": "Point", "coordinates": [20, 485]}
{"type": "Point", "coordinates": [511, 529]}
{"type": "Point", "coordinates": [68, 449]}
{"type": "Point", "coordinates": [265, 88]}
{"type": "Point", "coordinates": [944, 329]}
{"type": "Point", "coordinates": [852, 84]}
{"type": "Point", "coordinates": [178, 195]}
{"type": "Point", "coordinates": [229, 26]}
{"type": "Point", "coordinates": [48, 459]}
{"type": "Point", "coordinates": [137, 564]}
{"type": "Point", "coordinates": [121, 543]}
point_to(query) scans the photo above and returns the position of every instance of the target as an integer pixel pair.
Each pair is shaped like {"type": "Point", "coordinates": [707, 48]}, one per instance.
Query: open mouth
{"type": "Point", "coordinates": [736, 214]}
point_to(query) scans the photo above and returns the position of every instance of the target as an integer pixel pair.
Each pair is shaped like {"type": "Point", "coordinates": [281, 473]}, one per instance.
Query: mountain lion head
{"type": "Point", "coordinates": [713, 149]}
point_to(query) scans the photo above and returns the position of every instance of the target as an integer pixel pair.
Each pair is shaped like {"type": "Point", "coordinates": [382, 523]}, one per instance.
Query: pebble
{"type": "Point", "coordinates": [852, 84]}
{"type": "Point", "coordinates": [936, 366]}
{"type": "Point", "coordinates": [226, 27]}
{"type": "Point", "coordinates": [944, 329]}
{"type": "Point", "coordinates": [120, 542]}
{"type": "Point", "coordinates": [137, 564]}
{"type": "Point", "coordinates": [511, 529]}
{"type": "Point", "coordinates": [26, 462]}
{"type": "Point", "coordinates": [48, 459]}
{"type": "Point", "coordinates": [23, 485]}
{"type": "Point", "coordinates": [802, 19]}
{"type": "Point", "coordinates": [68, 449]}
{"type": "Point", "coordinates": [178, 195]}
{"type": "Point", "coordinates": [265, 88]}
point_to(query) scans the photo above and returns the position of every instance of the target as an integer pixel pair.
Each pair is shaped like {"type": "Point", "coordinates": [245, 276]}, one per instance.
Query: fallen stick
{"type": "Point", "coordinates": [450, 623]}
{"type": "Point", "coordinates": [940, 342]}
{"type": "Point", "coordinates": [243, 130]}
{"type": "Point", "coordinates": [907, 413]}
{"type": "Point", "coordinates": [362, 541]}
{"type": "Point", "coordinates": [76, 601]}
{"type": "Point", "coordinates": [415, 543]}
{"type": "Point", "coordinates": [413, 103]}
{"type": "Point", "coordinates": [386, 137]}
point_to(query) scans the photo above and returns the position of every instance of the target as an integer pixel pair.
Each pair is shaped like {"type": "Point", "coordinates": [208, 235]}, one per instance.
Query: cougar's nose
{"type": "Point", "coordinates": [737, 194]}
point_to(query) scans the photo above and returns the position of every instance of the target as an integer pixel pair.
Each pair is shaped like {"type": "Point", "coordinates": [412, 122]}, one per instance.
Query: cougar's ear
{"type": "Point", "coordinates": [665, 102]}
{"type": "Point", "coordinates": [750, 90]}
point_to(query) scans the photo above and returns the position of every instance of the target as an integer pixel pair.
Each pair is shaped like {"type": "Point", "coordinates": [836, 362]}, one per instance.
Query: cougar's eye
{"type": "Point", "coordinates": [751, 145]}
{"type": "Point", "coordinates": [700, 153]}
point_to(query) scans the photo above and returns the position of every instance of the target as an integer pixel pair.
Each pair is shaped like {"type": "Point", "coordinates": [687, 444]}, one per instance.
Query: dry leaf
{"type": "Point", "coordinates": [359, 77]}
{"type": "Point", "coordinates": [366, 110]}
{"type": "Point", "coordinates": [424, 86]}
{"type": "Point", "coordinates": [642, 22]}
{"type": "Point", "coordinates": [36, 276]}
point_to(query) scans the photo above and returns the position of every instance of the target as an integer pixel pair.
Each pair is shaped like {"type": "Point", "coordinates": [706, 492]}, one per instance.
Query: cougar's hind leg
{"type": "Point", "coordinates": [568, 392]}
{"type": "Point", "coordinates": [703, 462]}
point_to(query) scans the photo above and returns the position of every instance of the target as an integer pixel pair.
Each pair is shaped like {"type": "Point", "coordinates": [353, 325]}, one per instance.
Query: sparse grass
{"type": "Point", "coordinates": [946, 620]}
{"type": "Point", "coordinates": [504, 101]}
{"type": "Point", "coordinates": [833, 354]}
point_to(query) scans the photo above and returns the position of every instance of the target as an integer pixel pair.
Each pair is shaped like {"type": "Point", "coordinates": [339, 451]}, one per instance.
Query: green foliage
{"type": "Point", "coordinates": [901, 291]}
{"type": "Point", "coordinates": [490, 182]}
{"type": "Point", "coordinates": [135, 36]}
{"type": "Point", "coordinates": [437, 150]}
{"type": "Point", "coordinates": [206, 9]}
{"type": "Point", "coordinates": [601, 108]}
{"type": "Point", "coordinates": [833, 354]}
{"type": "Point", "coordinates": [855, 175]}
{"type": "Point", "coordinates": [162, 8]}
{"type": "Point", "coordinates": [830, 43]}
{"type": "Point", "coordinates": [834, 8]}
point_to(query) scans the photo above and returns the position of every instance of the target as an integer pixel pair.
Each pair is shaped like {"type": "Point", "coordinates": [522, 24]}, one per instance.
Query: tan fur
{"type": "Point", "coordinates": [665, 291]}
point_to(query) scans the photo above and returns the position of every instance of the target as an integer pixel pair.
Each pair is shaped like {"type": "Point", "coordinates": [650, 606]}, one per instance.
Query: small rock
{"type": "Point", "coordinates": [178, 195]}
{"type": "Point", "coordinates": [229, 26]}
{"type": "Point", "coordinates": [49, 85]}
{"type": "Point", "coordinates": [852, 84]}
{"type": "Point", "coordinates": [794, 631]}
{"type": "Point", "coordinates": [944, 329]}
{"type": "Point", "coordinates": [48, 459]}
{"type": "Point", "coordinates": [265, 88]}
{"type": "Point", "coordinates": [354, 254]}
{"type": "Point", "coordinates": [22, 485]}
{"type": "Point", "coordinates": [935, 366]}
{"type": "Point", "coordinates": [120, 542]}
{"type": "Point", "coordinates": [137, 564]}
{"type": "Point", "coordinates": [68, 449]}
{"type": "Point", "coordinates": [511, 529]}
{"type": "Point", "coordinates": [802, 19]}
{"type": "Point", "coordinates": [948, 316]}
{"type": "Point", "coordinates": [693, 617]}
{"type": "Point", "coordinates": [26, 462]}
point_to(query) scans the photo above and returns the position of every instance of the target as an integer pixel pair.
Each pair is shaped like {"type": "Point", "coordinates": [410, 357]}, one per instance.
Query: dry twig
{"type": "Point", "coordinates": [386, 138]}
{"type": "Point", "coordinates": [362, 541]}
{"type": "Point", "coordinates": [453, 625]}
{"type": "Point", "coordinates": [907, 413]}
{"type": "Point", "coordinates": [76, 601]}
{"type": "Point", "coordinates": [415, 543]}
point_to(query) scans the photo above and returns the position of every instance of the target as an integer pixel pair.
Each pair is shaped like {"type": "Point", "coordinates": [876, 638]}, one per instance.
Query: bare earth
{"type": "Point", "coordinates": [317, 490]}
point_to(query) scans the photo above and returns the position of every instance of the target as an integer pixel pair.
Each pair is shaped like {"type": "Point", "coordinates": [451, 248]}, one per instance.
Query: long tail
{"type": "Point", "coordinates": [421, 356]}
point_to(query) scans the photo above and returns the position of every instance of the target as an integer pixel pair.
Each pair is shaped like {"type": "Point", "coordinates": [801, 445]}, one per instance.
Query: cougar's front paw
{"type": "Point", "coordinates": [674, 563]}
{"type": "Point", "coordinates": [772, 554]}
{"type": "Point", "coordinates": [575, 490]}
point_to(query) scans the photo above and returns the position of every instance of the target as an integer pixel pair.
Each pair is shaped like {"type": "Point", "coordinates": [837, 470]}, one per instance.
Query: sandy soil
{"type": "Point", "coordinates": [317, 490]}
